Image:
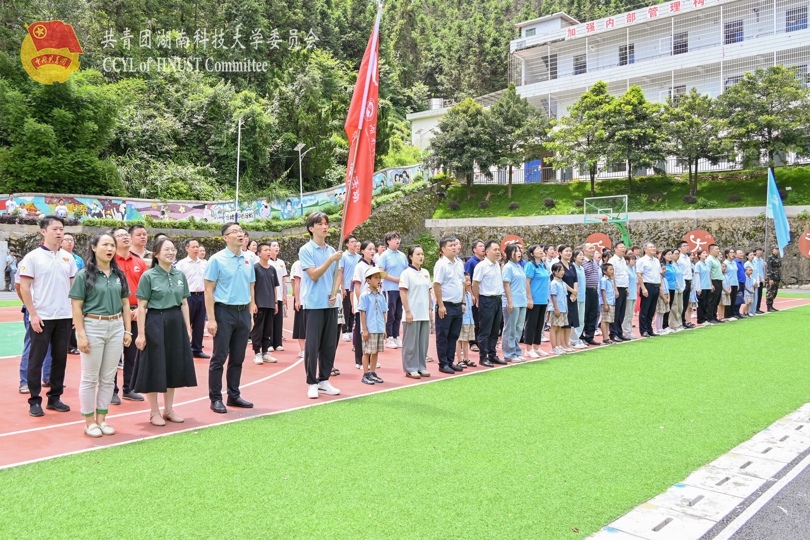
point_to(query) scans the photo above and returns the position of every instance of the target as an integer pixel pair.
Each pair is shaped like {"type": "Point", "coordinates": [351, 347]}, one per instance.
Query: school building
{"type": "Point", "coordinates": [665, 49]}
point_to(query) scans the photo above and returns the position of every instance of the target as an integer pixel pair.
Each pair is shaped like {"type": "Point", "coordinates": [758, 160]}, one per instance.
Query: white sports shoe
{"type": "Point", "coordinates": [543, 338]}
{"type": "Point", "coordinates": [301, 354]}
{"type": "Point", "coordinates": [580, 345]}
{"type": "Point", "coordinates": [279, 348]}
{"type": "Point", "coordinates": [347, 337]}
{"type": "Point", "coordinates": [269, 359]}
{"type": "Point", "coordinates": [399, 343]}
{"type": "Point", "coordinates": [258, 359]}
{"type": "Point", "coordinates": [269, 349]}
{"type": "Point", "coordinates": [540, 352]}
{"type": "Point", "coordinates": [532, 354]}
{"type": "Point", "coordinates": [558, 350]}
{"type": "Point", "coordinates": [312, 391]}
{"type": "Point", "coordinates": [518, 359]}
{"type": "Point", "coordinates": [732, 319]}
{"type": "Point", "coordinates": [328, 389]}
{"type": "Point", "coordinates": [390, 343]}
{"type": "Point", "coordinates": [598, 332]}
{"type": "Point", "coordinates": [93, 430]}
{"type": "Point", "coordinates": [106, 428]}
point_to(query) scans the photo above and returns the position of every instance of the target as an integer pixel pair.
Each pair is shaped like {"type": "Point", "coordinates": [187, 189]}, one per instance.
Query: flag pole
{"type": "Point", "coordinates": [371, 67]}
{"type": "Point", "coordinates": [767, 198]}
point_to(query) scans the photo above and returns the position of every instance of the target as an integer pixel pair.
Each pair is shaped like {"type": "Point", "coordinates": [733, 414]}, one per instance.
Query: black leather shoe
{"type": "Point", "coordinates": [239, 402]}
{"type": "Point", "coordinates": [447, 369]}
{"type": "Point", "coordinates": [772, 309]}
{"type": "Point", "coordinates": [498, 361]}
{"type": "Point", "coordinates": [35, 410]}
{"type": "Point", "coordinates": [590, 342]}
{"type": "Point", "coordinates": [57, 406]}
{"type": "Point", "coordinates": [218, 407]}
{"type": "Point", "coordinates": [202, 355]}
{"type": "Point", "coordinates": [456, 367]}
{"type": "Point", "coordinates": [653, 334]}
{"type": "Point", "coordinates": [760, 312]}
{"type": "Point", "coordinates": [487, 363]}
{"type": "Point", "coordinates": [115, 400]}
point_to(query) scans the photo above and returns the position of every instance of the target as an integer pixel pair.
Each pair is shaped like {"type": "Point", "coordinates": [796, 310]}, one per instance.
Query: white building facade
{"type": "Point", "coordinates": [665, 49]}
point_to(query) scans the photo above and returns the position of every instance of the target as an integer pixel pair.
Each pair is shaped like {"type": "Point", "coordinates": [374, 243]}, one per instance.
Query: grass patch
{"type": "Point", "coordinates": [526, 452]}
{"type": "Point", "coordinates": [10, 303]}
{"type": "Point", "coordinates": [713, 191]}
{"type": "Point", "coordinates": [794, 295]}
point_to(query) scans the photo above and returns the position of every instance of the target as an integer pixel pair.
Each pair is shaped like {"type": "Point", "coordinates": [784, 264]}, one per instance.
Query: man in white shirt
{"type": "Point", "coordinates": [194, 269]}
{"type": "Point", "coordinates": [448, 286]}
{"type": "Point", "coordinates": [487, 286]}
{"type": "Point", "coordinates": [11, 206]}
{"type": "Point", "coordinates": [61, 210]}
{"type": "Point", "coordinates": [685, 264]}
{"type": "Point", "coordinates": [648, 269]}
{"type": "Point", "coordinates": [46, 275]}
{"type": "Point", "coordinates": [621, 278]}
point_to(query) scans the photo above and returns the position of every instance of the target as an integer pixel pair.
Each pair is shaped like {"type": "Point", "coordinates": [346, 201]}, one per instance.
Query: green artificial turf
{"type": "Point", "coordinates": [10, 303]}
{"type": "Point", "coordinates": [713, 192]}
{"type": "Point", "coordinates": [552, 449]}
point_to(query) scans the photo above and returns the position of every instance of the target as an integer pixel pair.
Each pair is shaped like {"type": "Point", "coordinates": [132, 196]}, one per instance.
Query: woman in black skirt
{"type": "Point", "coordinates": [165, 361]}
{"type": "Point", "coordinates": [571, 285]}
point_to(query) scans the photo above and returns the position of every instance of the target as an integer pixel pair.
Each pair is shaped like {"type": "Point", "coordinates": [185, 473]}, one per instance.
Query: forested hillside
{"type": "Point", "coordinates": [163, 131]}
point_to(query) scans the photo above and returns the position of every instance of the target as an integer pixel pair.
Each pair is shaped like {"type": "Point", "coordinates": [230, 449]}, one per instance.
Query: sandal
{"type": "Point", "coordinates": [335, 372]}
{"type": "Point", "coordinates": [159, 422]}
{"type": "Point", "coordinates": [470, 363]}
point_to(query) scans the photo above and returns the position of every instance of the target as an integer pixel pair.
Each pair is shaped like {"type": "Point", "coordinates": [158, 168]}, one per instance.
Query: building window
{"type": "Point", "coordinates": [796, 19]}
{"type": "Point", "coordinates": [680, 43]}
{"type": "Point", "coordinates": [529, 32]}
{"type": "Point", "coordinates": [734, 32]}
{"type": "Point", "coordinates": [627, 54]}
{"type": "Point", "coordinates": [580, 64]}
{"type": "Point", "coordinates": [618, 167]}
{"type": "Point", "coordinates": [731, 81]}
{"type": "Point", "coordinates": [801, 74]}
{"type": "Point", "coordinates": [676, 93]}
{"type": "Point", "coordinates": [550, 62]}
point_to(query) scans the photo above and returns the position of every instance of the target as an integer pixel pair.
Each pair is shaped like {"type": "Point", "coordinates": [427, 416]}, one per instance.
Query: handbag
{"type": "Point", "coordinates": [741, 296]}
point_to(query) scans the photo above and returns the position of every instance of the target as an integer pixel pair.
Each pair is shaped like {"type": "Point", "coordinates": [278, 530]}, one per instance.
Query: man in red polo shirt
{"type": "Point", "coordinates": [133, 267]}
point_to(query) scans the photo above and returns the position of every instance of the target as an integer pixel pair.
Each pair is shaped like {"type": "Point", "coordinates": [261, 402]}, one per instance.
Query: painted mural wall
{"type": "Point", "coordinates": [220, 212]}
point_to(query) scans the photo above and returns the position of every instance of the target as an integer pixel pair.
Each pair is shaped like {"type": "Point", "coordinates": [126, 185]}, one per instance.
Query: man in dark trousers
{"type": "Point", "coordinates": [229, 301]}
{"type": "Point", "coordinates": [591, 268]}
{"type": "Point", "coordinates": [774, 277]}
{"type": "Point", "coordinates": [133, 267]}
{"type": "Point", "coordinates": [448, 286]}
{"type": "Point", "coordinates": [469, 268]}
{"type": "Point", "coordinates": [194, 268]}
{"type": "Point", "coordinates": [648, 270]}
{"type": "Point", "coordinates": [487, 290]}
{"type": "Point", "coordinates": [266, 308]}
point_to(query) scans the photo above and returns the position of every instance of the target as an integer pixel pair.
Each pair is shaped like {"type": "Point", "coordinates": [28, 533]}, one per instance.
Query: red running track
{"type": "Point", "coordinates": [273, 388]}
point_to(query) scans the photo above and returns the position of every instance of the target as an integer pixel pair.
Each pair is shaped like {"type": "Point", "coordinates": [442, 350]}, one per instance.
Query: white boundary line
{"type": "Point", "coordinates": [763, 499]}
{"type": "Point", "coordinates": [75, 452]}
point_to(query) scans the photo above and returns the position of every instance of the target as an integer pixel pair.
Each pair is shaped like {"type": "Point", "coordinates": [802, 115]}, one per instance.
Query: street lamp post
{"type": "Point", "coordinates": [298, 149]}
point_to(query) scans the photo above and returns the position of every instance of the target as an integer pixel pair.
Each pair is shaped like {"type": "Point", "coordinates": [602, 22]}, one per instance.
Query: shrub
{"type": "Point", "coordinates": [706, 203]}
{"type": "Point", "coordinates": [804, 214]}
{"type": "Point", "coordinates": [690, 199]}
{"type": "Point", "coordinates": [438, 178]}
{"type": "Point", "coordinates": [514, 206]}
{"type": "Point", "coordinates": [656, 197]}
{"type": "Point", "coordinates": [501, 192]}
{"type": "Point", "coordinates": [548, 202]}
{"type": "Point", "coordinates": [483, 205]}
{"type": "Point", "coordinates": [734, 197]}
{"type": "Point", "coordinates": [578, 203]}
{"type": "Point", "coordinates": [453, 205]}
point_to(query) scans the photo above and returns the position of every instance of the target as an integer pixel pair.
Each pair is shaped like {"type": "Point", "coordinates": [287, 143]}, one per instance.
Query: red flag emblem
{"type": "Point", "coordinates": [54, 35]}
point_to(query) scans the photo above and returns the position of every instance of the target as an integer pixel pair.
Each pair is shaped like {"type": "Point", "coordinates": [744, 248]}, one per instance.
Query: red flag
{"type": "Point", "coordinates": [361, 128]}
{"type": "Point", "coordinates": [54, 35]}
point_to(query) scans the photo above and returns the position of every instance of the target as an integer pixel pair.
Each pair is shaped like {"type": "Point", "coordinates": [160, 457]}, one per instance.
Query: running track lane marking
{"type": "Point", "coordinates": [76, 452]}
{"type": "Point", "coordinates": [764, 499]}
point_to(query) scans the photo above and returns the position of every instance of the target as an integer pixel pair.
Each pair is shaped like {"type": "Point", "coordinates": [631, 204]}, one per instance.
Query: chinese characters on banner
{"type": "Point", "coordinates": [237, 39]}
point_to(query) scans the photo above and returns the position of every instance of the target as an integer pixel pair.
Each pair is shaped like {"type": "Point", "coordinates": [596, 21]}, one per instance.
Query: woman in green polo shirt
{"type": "Point", "coordinates": [100, 299]}
{"type": "Point", "coordinates": [165, 361]}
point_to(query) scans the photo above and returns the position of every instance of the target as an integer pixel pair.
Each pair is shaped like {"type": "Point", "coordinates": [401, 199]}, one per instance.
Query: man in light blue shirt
{"type": "Point", "coordinates": [320, 279]}
{"type": "Point", "coordinates": [229, 282]}
{"type": "Point", "coordinates": [394, 262]}
{"type": "Point", "coordinates": [347, 264]}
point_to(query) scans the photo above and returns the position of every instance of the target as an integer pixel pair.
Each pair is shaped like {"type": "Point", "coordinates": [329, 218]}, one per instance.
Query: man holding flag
{"type": "Point", "coordinates": [775, 210]}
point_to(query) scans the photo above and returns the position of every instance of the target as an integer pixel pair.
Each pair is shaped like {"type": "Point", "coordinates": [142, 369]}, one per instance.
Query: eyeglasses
{"type": "Point", "coordinates": [236, 232]}
{"type": "Point", "coordinates": [122, 235]}
{"type": "Point", "coordinates": [68, 240]}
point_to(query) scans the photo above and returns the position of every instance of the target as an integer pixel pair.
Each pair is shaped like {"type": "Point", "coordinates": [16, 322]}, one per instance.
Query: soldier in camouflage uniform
{"type": "Point", "coordinates": [774, 276]}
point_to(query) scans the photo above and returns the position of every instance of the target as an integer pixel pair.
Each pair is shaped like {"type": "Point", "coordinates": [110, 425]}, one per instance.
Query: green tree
{"type": "Point", "coordinates": [767, 111]}
{"type": "Point", "coordinates": [634, 134]}
{"type": "Point", "coordinates": [518, 131]}
{"type": "Point", "coordinates": [693, 131]}
{"type": "Point", "coordinates": [463, 141]}
{"type": "Point", "coordinates": [580, 140]}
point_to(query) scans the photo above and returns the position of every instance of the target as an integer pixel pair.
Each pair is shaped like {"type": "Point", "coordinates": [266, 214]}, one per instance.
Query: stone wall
{"type": "Point", "coordinates": [406, 215]}
{"type": "Point", "coordinates": [745, 233]}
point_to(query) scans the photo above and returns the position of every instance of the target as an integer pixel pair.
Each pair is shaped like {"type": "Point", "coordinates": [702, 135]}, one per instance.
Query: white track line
{"type": "Point", "coordinates": [32, 430]}
{"type": "Point", "coordinates": [764, 499]}
{"type": "Point", "coordinates": [260, 415]}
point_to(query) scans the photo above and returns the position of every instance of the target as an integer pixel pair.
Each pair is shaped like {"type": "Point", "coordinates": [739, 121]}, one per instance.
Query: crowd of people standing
{"type": "Point", "coordinates": [147, 312]}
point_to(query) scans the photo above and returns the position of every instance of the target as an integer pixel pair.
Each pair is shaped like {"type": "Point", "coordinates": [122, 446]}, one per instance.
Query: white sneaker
{"type": "Point", "coordinates": [568, 349]}
{"type": "Point", "coordinates": [258, 359]}
{"type": "Point", "coordinates": [543, 339]}
{"type": "Point", "coordinates": [328, 389]}
{"type": "Point", "coordinates": [598, 332]}
{"type": "Point", "coordinates": [378, 365]}
{"type": "Point", "coordinates": [732, 319]}
{"type": "Point", "coordinates": [312, 391]}
{"type": "Point", "coordinates": [269, 349]}
{"type": "Point", "coordinates": [390, 343]}
{"type": "Point", "coordinates": [269, 359]}
{"type": "Point", "coordinates": [93, 431]}
{"type": "Point", "coordinates": [106, 429]}
{"type": "Point", "coordinates": [347, 337]}
{"type": "Point", "coordinates": [301, 354]}
{"type": "Point", "coordinates": [399, 344]}
{"type": "Point", "coordinates": [518, 359]}
{"type": "Point", "coordinates": [580, 345]}
{"type": "Point", "coordinates": [279, 348]}
{"type": "Point", "coordinates": [532, 354]}
{"type": "Point", "coordinates": [558, 350]}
